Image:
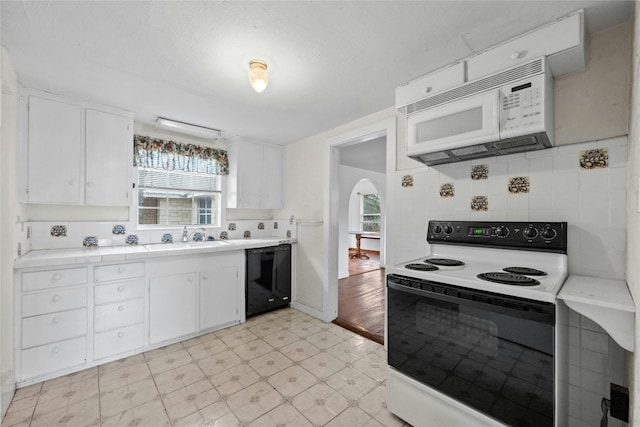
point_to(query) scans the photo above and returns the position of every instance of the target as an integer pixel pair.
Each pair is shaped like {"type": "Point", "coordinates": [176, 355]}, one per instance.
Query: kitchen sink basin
{"type": "Point", "coordinates": [187, 245]}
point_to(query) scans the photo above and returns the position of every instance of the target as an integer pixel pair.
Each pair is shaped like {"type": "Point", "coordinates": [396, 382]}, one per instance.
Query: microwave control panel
{"type": "Point", "coordinates": [522, 104]}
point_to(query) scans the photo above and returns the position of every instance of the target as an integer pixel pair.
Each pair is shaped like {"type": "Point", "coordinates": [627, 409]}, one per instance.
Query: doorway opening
{"type": "Point", "coordinates": [364, 225]}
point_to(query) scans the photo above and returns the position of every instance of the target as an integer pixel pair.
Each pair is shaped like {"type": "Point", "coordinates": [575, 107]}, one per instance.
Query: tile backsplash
{"type": "Point", "coordinates": [582, 184]}
{"type": "Point", "coordinates": [42, 237]}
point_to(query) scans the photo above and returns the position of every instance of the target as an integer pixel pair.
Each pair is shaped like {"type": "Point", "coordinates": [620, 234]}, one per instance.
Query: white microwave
{"type": "Point", "coordinates": [510, 117]}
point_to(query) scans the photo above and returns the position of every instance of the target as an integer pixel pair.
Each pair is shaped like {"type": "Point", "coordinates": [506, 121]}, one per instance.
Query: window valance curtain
{"type": "Point", "coordinates": [170, 155]}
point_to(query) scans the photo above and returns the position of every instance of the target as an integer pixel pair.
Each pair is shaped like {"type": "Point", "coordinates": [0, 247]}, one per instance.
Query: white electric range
{"type": "Point", "coordinates": [471, 326]}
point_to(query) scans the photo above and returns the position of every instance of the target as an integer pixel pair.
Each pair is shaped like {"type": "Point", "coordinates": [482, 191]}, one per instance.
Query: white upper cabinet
{"type": "Point", "coordinates": [563, 42]}
{"type": "Point", "coordinates": [255, 175]}
{"type": "Point", "coordinates": [54, 151]}
{"type": "Point", "coordinates": [76, 153]}
{"type": "Point", "coordinates": [108, 158]}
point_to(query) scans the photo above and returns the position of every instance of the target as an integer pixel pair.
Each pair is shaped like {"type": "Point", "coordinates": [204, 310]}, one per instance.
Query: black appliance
{"type": "Point", "coordinates": [268, 279]}
{"type": "Point", "coordinates": [475, 341]}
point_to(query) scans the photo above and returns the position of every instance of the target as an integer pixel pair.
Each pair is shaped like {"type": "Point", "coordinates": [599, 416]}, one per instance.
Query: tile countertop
{"type": "Point", "coordinates": [52, 257]}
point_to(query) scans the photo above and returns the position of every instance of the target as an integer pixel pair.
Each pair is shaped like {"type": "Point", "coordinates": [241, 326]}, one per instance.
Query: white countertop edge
{"type": "Point", "coordinates": [57, 257]}
{"type": "Point", "coordinates": [599, 292]}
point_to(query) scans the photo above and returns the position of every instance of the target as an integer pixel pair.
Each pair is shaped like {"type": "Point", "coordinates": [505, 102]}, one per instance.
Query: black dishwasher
{"type": "Point", "coordinates": [268, 279]}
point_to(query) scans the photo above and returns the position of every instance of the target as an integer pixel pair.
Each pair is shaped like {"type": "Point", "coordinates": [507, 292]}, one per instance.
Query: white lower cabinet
{"type": "Point", "coordinates": [119, 307]}
{"type": "Point", "coordinates": [50, 358]}
{"type": "Point", "coordinates": [172, 306]}
{"type": "Point", "coordinates": [219, 296]}
{"type": "Point", "coordinates": [70, 318]}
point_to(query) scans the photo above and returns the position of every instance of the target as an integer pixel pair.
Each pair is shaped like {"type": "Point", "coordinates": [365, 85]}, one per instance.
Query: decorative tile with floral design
{"type": "Point", "coordinates": [90, 242]}
{"type": "Point", "coordinates": [224, 235]}
{"type": "Point", "coordinates": [407, 181]}
{"type": "Point", "coordinates": [261, 226]}
{"type": "Point", "coordinates": [479, 172]}
{"type": "Point", "coordinates": [275, 225]}
{"type": "Point", "coordinates": [479, 203]}
{"type": "Point", "coordinates": [594, 159]}
{"type": "Point", "coordinates": [119, 229]}
{"type": "Point", "coordinates": [131, 239]}
{"type": "Point", "coordinates": [232, 226]}
{"type": "Point", "coordinates": [447, 190]}
{"type": "Point", "coordinates": [518, 185]}
{"type": "Point", "coordinates": [288, 234]}
{"type": "Point", "coordinates": [59, 230]}
{"type": "Point", "coordinates": [247, 234]}
{"type": "Point", "coordinates": [167, 238]}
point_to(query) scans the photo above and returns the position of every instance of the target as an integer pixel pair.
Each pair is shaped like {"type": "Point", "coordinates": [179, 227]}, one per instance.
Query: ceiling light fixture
{"type": "Point", "coordinates": [258, 76]}
{"type": "Point", "coordinates": [187, 128]}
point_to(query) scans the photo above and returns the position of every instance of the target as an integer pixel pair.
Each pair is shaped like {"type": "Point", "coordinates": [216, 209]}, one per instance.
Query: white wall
{"type": "Point", "coordinates": [633, 220]}
{"type": "Point", "coordinates": [8, 213]}
{"type": "Point", "coordinates": [350, 183]}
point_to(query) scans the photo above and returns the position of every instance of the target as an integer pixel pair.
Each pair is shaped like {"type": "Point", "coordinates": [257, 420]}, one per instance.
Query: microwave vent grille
{"type": "Point", "coordinates": [478, 86]}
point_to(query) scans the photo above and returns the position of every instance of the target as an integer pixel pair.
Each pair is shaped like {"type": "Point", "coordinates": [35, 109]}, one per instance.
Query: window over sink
{"type": "Point", "coordinates": [178, 184]}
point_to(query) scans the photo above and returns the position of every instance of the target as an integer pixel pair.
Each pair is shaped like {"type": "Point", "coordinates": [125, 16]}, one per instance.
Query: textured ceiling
{"type": "Point", "coordinates": [329, 62]}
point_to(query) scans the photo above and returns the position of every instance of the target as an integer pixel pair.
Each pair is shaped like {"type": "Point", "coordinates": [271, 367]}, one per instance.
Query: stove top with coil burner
{"type": "Point", "coordinates": [526, 260]}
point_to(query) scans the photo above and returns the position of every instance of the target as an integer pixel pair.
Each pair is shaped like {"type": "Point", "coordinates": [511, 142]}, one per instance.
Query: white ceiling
{"type": "Point", "coordinates": [329, 62]}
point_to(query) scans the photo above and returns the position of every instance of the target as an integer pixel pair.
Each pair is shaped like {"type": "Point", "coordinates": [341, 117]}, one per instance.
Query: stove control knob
{"type": "Point", "coordinates": [448, 229]}
{"type": "Point", "coordinates": [501, 231]}
{"type": "Point", "coordinates": [548, 234]}
{"type": "Point", "coordinates": [530, 232]}
{"type": "Point", "coordinates": [437, 229]}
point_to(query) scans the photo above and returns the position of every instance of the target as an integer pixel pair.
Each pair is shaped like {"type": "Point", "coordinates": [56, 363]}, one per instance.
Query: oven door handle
{"type": "Point", "coordinates": [519, 311]}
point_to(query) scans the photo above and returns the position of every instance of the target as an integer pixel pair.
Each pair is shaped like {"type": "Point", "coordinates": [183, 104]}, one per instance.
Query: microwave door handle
{"type": "Point", "coordinates": [497, 113]}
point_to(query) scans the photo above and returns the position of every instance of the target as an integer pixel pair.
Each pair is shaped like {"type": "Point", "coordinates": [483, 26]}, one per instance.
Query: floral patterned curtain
{"type": "Point", "coordinates": [170, 155]}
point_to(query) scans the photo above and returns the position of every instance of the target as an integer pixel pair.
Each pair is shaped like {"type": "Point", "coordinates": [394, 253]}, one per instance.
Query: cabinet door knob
{"type": "Point", "coordinates": [71, 182]}
{"type": "Point", "coordinates": [121, 270]}
{"type": "Point", "coordinates": [121, 308]}
{"type": "Point", "coordinates": [57, 277]}
{"type": "Point", "coordinates": [89, 184]}
{"type": "Point", "coordinates": [55, 350]}
{"type": "Point", "coordinates": [55, 320]}
{"type": "Point", "coordinates": [55, 298]}
{"type": "Point", "coordinates": [190, 279]}
{"type": "Point", "coordinates": [120, 288]}
{"type": "Point", "coordinates": [120, 334]}
{"type": "Point", "coordinates": [205, 277]}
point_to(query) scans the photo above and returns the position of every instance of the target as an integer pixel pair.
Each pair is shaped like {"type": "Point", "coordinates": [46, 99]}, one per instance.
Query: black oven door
{"type": "Point", "coordinates": [492, 352]}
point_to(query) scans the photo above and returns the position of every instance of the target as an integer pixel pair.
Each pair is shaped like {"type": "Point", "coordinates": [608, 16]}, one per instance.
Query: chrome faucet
{"type": "Point", "coordinates": [187, 236]}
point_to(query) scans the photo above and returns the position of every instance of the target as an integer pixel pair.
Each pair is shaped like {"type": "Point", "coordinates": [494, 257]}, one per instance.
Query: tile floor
{"type": "Point", "coordinates": [284, 368]}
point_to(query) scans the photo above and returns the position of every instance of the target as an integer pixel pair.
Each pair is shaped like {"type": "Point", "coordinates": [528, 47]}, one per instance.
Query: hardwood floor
{"type": "Point", "coordinates": [361, 299]}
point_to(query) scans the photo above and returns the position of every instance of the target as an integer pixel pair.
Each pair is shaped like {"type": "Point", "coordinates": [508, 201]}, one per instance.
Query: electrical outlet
{"type": "Point", "coordinates": [619, 397]}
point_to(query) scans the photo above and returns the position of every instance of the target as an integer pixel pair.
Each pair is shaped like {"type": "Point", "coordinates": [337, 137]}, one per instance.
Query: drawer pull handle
{"type": "Point", "coordinates": [121, 308]}
{"type": "Point", "coordinates": [56, 320]}
{"type": "Point", "coordinates": [271, 300]}
{"type": "Point", "coordinates": [55, 298]}
{"type": "Point", "coordinates": [285, 298]}
{"type": "Point", "coordinates": [120, 334]}
{"type": "Point", "coordinates": [71, 182]}
{"type": "Point", "coordinates": [57, 277]}
{"type": "Point", "coordinates": [120, 288]}
{"type": "Point", "coordinates": [121, 270]}
{"type": "Point", "coordinates": [55, 350]}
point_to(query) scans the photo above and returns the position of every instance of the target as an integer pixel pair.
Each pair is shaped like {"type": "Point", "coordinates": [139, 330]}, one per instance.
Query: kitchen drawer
{"type": "Point", "coordinates": [119, 291]}
{"type": "Point", "coordinates": [430, 84]}
{"type": "Point", "coordinates": [50, 302]}
{"type": "Point", "coordinates": [119, 314]}
{"type": "Point", "coordinates": [53, 357]}
{"type": "Point", "coordinates": [559, 36]}
{"type": "Point", "coordinates": [48, 328]}
{"type": "Point", "coordinates": [53, 278]}
{"type": "Point", "coordinates": [105, 273]}
{"type": "Point", "coordinates": [118, 341]}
